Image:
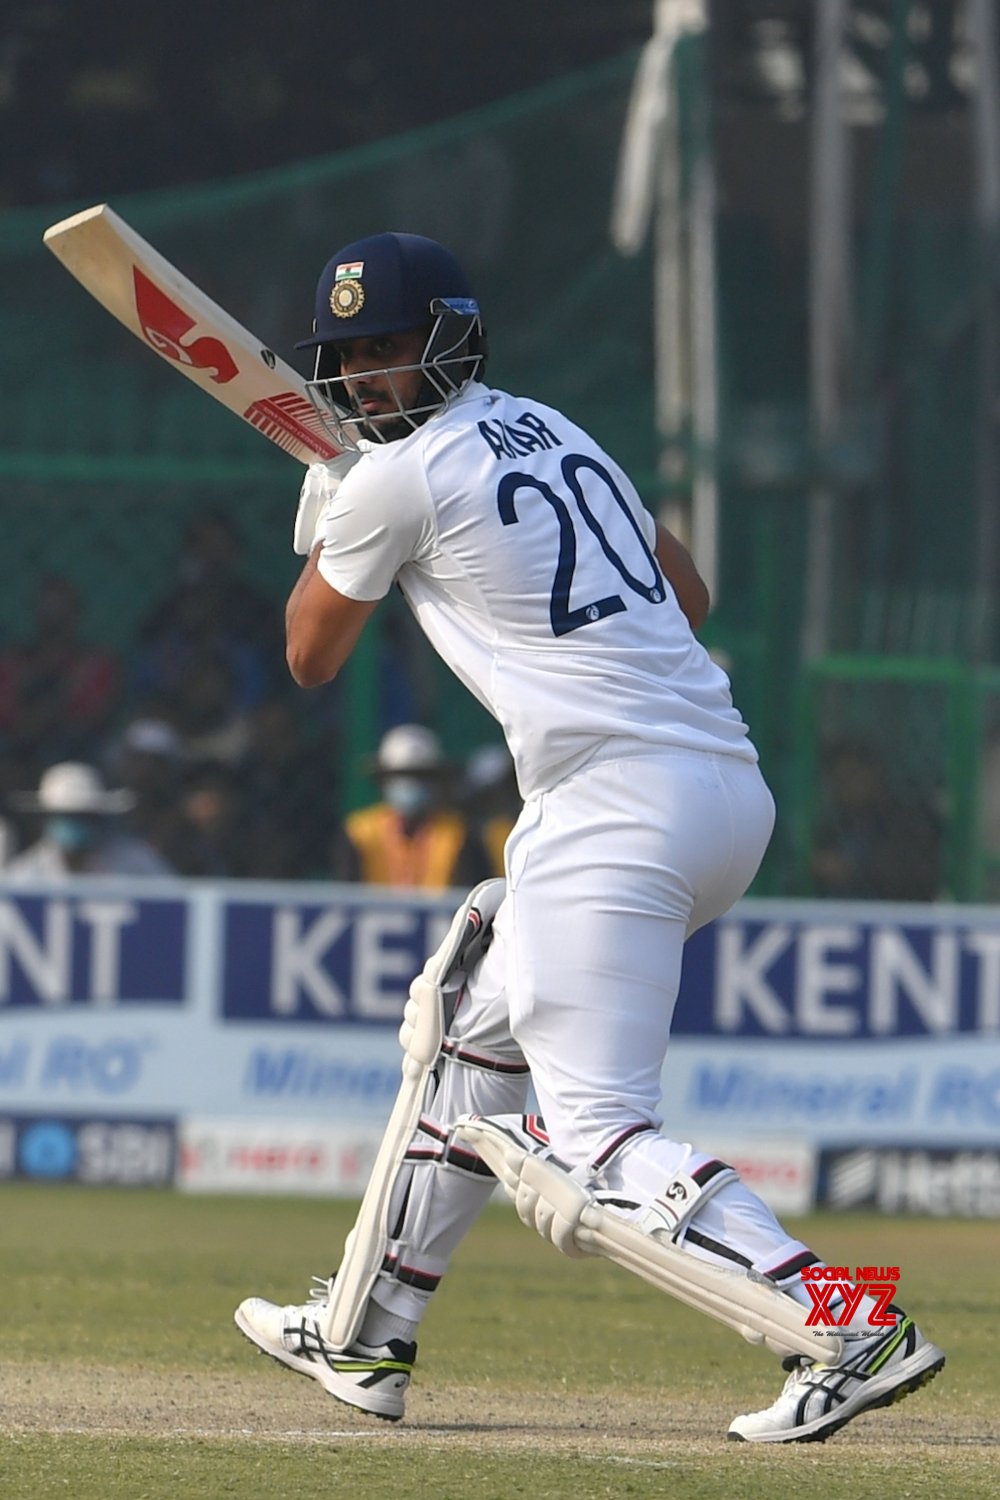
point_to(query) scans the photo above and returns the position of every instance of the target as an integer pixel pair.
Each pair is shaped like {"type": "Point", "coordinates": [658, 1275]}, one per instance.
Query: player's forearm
{"type": "Point", "coordinates": [295, 597]}
{"type": "Point", "coordinates": [302, 649]}
{"type": "Point", "coordinates": [682, 575]}
{"type": "Point", "coordinates": [322, 626]}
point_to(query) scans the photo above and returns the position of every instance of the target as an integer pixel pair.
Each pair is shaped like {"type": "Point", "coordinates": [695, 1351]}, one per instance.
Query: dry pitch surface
{"type": "Point", "coordinates": [458, 1441]}
{"type": "Point", "coordinates": [123, 1376]}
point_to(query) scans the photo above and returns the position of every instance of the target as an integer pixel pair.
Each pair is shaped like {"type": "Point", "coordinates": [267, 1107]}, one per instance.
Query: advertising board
{"type": "Point", "coordinates": [806, 1022]}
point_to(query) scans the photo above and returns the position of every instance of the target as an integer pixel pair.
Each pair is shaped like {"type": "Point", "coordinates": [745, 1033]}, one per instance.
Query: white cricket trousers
{"type": "Point", "coordinates": [607, 875]}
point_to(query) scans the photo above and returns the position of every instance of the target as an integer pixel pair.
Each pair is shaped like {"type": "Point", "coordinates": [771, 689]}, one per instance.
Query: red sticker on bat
{"type": "Point", "coordinates": [164, 324]}
{"type": "Point", "coordinates": [291, 422]}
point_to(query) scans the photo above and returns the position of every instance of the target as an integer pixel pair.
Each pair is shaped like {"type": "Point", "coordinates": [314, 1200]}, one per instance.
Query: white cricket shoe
{"type": "Point", "coordinates": [372, 1379]}
{"type": "Point", "coordinates": [817, 1400]}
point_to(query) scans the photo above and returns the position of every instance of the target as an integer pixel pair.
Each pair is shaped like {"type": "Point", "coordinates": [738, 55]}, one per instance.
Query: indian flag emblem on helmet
{"type": "Point", "coordinates": [350, 270]}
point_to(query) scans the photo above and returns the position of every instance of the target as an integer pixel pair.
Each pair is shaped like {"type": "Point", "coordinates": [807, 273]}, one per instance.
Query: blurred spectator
{"type": "Point", "coordinates": [413, 836]}
{"type": "Point", "coordinates": [81, 834]}
{"type": "Point", "coordinates": [13, 775]}
{"type": "Point", "coordinates": [8, 841]}
{"type": "Point", "coordinates": [988, 809]}
{"type": "Point", "coordinates": [148, 757]}
{"type": "Point", "coordinates": [290, 792]}
{"type": "Point", "coordinates": [57, 692]}
{"type": "Point", "coordinates": [210, 607]}
{"type": "Point", "coordinates": [213, 812]}
{"type": "Point", "coordinates": [870, 843]}
{"type": "Point", "coordinates": [491, 800]}
{"type": "Point", "coordinates": [207, 712]}
{"type": "Point", "coordinates": [149, 760]}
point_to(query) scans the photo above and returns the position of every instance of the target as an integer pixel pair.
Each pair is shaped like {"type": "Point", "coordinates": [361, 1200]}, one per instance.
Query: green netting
{"type": "Point", "coordinates": [896, 788]}
{"type": "Point", "coordinates": [520, 191]}
{"type": "Point", "coordinates": [106, 456]}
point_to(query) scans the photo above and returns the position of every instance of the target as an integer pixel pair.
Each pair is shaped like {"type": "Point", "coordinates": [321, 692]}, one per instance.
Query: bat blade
{"type": "Point", "coordinates": [183, 325]}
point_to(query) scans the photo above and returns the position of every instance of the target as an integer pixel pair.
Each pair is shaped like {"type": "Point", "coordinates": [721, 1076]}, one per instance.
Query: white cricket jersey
{"type": "Point", "coordinates": [526, 555]}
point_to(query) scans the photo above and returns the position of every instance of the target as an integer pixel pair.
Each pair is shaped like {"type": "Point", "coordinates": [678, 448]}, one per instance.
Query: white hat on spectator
{"type": "Point", "coordinates": [73, 787]}
{"type": "Point", "coordinates": [409, 749]}
{"type": "Point", "coordinates": [153, 737]}
{"type": "Point", "coordinates": [488, 766]}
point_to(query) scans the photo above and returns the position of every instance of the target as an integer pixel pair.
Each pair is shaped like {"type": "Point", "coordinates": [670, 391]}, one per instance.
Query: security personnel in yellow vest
{"type": "Point", "coordinates": [412, 836]}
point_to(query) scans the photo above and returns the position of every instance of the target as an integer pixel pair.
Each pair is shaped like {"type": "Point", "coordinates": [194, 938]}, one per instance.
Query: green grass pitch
{"type": "Point", "coordinates": [123, 1377]}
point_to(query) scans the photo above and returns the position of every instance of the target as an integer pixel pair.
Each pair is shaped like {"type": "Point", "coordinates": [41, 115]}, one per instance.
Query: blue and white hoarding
{"type": "Point", "coordinates": [840, 1024]}
{"type": "Point", "coordinates": [810, 1023]}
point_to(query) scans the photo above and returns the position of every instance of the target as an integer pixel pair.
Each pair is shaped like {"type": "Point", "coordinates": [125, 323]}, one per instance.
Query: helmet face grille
{"type": "Point", "coordinates": [452, 357]}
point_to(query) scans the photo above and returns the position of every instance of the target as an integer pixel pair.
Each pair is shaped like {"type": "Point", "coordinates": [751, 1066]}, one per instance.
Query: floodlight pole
{"type": "Point", "coordinates": [830, 302]}
{"type": "Point", "coordinates": [986, 153]}
{"type": "Point", "coordinates": [666, 177]}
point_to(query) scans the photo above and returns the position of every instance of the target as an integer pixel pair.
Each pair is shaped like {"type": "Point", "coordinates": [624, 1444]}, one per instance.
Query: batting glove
{"type": "Point", "coordinates": [320, 485]}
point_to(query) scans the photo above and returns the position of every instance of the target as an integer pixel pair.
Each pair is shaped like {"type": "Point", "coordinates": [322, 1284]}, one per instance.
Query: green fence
{"type": "Point", "coordinates": [108, 460]}
{"type": "Point", "coordinates": [109, 464]}
{"type": "Point", "coordinates": [897, 791]}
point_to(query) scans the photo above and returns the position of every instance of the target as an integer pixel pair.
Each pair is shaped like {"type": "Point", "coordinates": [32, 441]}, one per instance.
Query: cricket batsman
{"type": "Point", "coordinates": [535, 571]}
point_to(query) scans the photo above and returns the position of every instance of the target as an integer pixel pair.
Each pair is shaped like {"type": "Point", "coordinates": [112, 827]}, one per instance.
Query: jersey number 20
{"type": "Point", "coordinates": [563, 618]}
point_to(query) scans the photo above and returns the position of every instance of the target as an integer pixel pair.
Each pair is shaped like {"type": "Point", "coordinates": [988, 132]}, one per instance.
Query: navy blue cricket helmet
{"type": "Point", "coordinates": [392, 283]}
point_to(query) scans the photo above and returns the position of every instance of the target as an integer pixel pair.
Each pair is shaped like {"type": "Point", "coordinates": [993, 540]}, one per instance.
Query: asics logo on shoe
{"type": "Point", "coordinates": [373, 1380]}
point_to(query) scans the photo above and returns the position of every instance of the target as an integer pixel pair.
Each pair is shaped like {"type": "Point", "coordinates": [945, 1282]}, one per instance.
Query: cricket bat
{"type": "Point", "coordinates": [160, 306]}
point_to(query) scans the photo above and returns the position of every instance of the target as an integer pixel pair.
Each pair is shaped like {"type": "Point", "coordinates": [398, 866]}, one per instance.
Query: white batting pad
{"type": "Point", "coordinates": [421, 1034]}
{"type": "Point", "coordinates": [565, 1212]}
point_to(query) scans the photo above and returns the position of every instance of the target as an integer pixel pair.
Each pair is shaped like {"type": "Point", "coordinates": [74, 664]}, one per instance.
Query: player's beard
{"type": "Point", "coordinates": [387, 429]}
{"type": "Point", "coordinates": [393, 425]}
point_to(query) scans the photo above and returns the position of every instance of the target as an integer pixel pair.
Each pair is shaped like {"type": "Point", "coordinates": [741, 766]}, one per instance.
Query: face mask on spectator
{"type": "Point", "coordinates": [69, 833]}
{"type": "Point", "coordinates": [408, 795]}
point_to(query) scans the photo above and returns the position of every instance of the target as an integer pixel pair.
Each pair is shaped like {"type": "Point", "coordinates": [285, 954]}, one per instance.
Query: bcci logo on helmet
{"type": "Point", "coordinates": [347, 295]}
